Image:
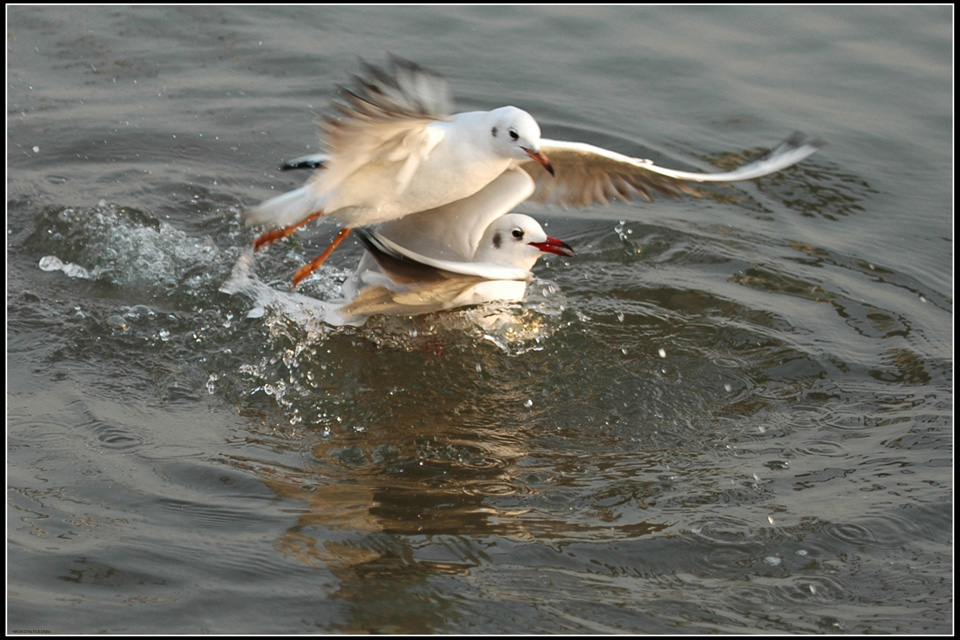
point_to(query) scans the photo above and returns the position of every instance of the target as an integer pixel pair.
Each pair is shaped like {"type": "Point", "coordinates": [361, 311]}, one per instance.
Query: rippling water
{"type": "Point", "coordinates": [731, 413]}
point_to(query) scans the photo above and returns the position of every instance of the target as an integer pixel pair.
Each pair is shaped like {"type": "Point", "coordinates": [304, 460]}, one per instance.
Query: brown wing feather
{"type": "Point", "coordinates": [379, 300]}
{"type": "Point", "coordinates": [586, 175]}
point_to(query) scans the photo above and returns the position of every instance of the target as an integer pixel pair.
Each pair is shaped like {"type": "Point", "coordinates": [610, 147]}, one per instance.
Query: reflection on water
{"type": "Point", "coordinates": [405, 481]}
{"type": "Point", "coordinates": [391, 510]}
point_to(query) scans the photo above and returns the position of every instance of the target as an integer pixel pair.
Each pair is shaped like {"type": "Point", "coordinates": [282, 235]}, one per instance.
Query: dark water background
{"type": "Point", "coordinates": [726, 414]}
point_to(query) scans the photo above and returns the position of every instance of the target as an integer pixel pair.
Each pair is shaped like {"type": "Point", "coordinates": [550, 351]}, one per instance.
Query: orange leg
{"type": "Point", "coordinates": [272, 236]}
{"type": "Point", "coordinates": [304, 271]}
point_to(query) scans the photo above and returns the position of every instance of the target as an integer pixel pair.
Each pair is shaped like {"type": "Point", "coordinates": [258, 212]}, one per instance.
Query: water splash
{"type": "Point", "coordinates": [512, 327]}
{"type": "Point", "coordinates": [126, 247]}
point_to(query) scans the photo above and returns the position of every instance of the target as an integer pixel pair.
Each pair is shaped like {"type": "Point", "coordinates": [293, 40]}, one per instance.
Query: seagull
{"type": "Point", "coordinates": [396, 151]}
{"type": "Point", "coordinates": [398, 281]}
{"type": "Point", "coordinates": [393, 280]}
{"type": "Point", "coordinates": [410, 269]}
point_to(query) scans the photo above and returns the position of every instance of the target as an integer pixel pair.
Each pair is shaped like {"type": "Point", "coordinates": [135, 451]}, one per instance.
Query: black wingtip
{"type": "Point", "coordinates": [372, 244]}
{"type": "Point", "coordinates": [301, 164]}
{"type": "Point", "coordinates": [366, 239]}
{"type": "Point", "coordinates": [799, 138]}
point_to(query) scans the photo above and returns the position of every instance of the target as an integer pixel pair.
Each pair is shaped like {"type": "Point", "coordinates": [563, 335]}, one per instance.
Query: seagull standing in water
{"type": "Point", "coordinates": [395, 151]}
{"type": "Point", "coordinates": [393, 280]}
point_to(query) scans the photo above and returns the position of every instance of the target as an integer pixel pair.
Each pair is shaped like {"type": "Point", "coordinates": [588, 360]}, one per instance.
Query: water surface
{"type": "Point", "coordinates": [726, 414]}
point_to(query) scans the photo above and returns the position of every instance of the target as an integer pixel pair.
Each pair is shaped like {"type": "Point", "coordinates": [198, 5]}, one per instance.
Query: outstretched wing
{"type": "Point", "coordinates": [586, 174]}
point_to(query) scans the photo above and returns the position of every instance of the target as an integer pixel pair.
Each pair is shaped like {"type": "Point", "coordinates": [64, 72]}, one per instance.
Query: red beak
{"type": "Point", "coordinates": [552, 245]}
{"type": "Point", "coordinates": [540, 159]}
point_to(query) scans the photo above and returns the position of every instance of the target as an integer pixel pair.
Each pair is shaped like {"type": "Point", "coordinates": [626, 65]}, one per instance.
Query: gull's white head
{"type": "Point", "coordinates": [517, 240]}
{"type": "Point", "coordinates": [516, 134]}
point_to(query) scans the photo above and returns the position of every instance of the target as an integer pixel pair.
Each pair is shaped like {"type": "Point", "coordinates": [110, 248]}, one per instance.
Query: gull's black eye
{"type": "Point", "coordinates": [514, 135]}
{"type": "Point", "coordinates": [518, 234]}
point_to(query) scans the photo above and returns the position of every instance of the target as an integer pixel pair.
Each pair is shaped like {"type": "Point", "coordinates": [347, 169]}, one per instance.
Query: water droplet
{"type": "Point", "coordinates": [76, 271]}
{"type": "Point", "coordinates": [138, 311]}
{"type": "Point", "coordinates": [50, 263]}
{"type": "Point", "coordinates": [117, 322]}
